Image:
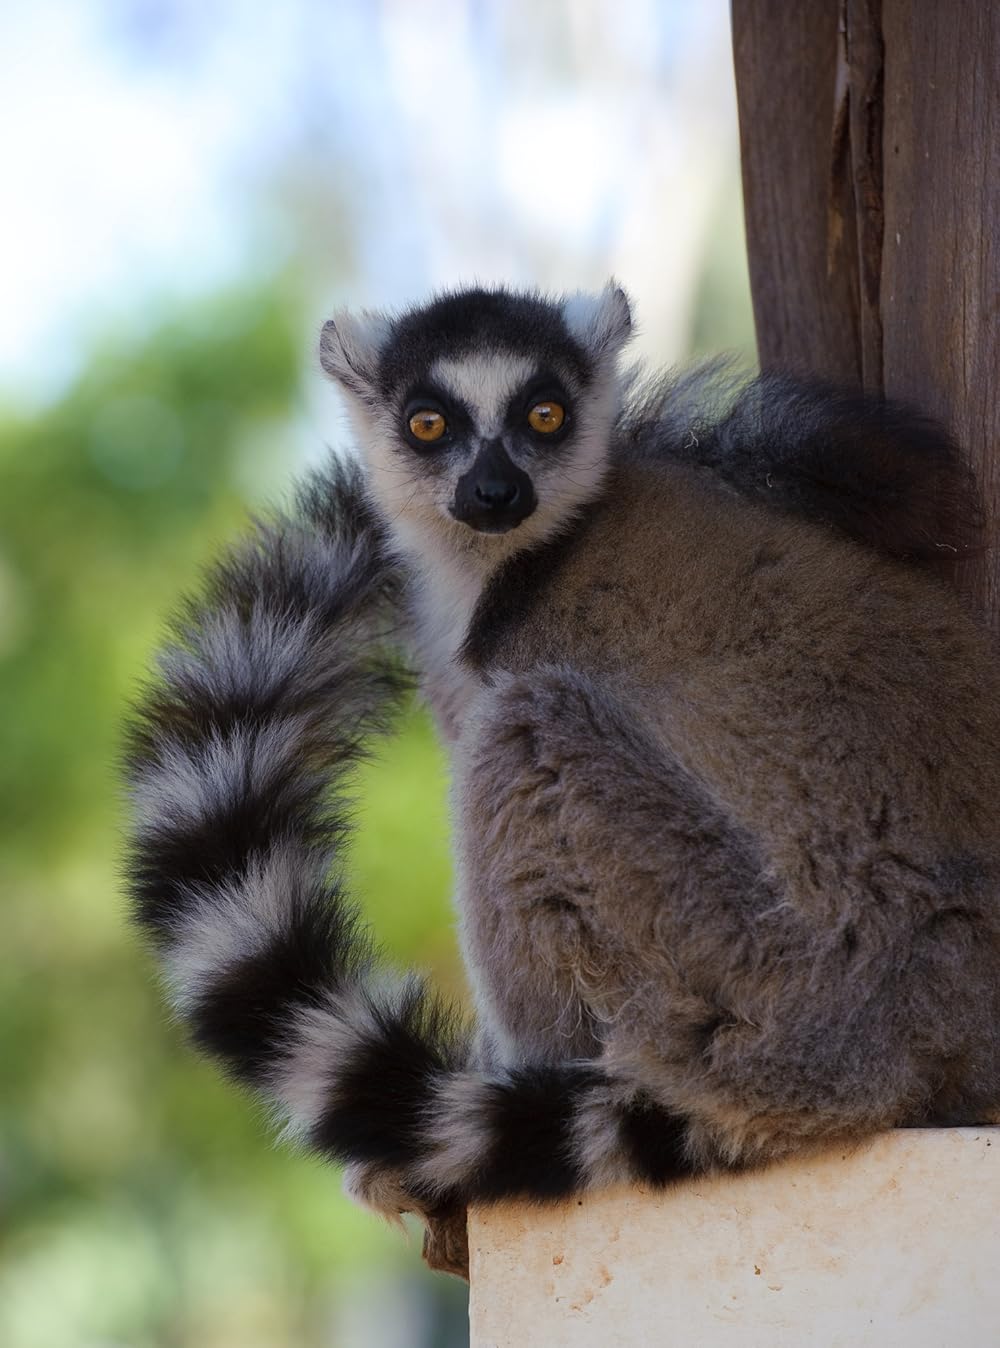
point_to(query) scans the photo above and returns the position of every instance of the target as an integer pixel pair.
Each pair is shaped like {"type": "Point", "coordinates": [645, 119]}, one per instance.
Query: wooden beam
{"type": "Point", "coordinates": [940, 283]}
{"type": "Point", "coordinates": [802, 255]}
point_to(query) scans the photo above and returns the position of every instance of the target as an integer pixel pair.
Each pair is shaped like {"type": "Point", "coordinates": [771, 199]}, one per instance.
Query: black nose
{"type": "Point", "coordinates": [495, 494]}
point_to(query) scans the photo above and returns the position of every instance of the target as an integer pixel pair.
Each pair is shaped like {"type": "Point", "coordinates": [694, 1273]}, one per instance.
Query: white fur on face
{"type": "Point", "coordinates": [415, 503]}
{"type": "Point", "coordinates": [451, 562]}
{"type": "Point", "coordinates": [485, 384]}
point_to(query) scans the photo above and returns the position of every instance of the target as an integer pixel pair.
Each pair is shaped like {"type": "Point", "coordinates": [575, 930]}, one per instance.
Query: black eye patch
{"type": "Point", "coordinates": [427, 398]}
{"type": "Point", "coordinates": [545, 387]}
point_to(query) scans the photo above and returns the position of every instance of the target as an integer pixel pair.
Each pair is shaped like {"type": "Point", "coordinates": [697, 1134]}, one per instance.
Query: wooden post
{"type": "Point", "coordinates": [870, 140]}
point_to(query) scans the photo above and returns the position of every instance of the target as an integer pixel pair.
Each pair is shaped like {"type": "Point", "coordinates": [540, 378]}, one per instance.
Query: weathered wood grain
{"type": "Point", "coordinates": [941, 261]}
{"type": "Point", "coordinates": [786, 67]}
{"type": "Point", "coordinates": [870, 135]}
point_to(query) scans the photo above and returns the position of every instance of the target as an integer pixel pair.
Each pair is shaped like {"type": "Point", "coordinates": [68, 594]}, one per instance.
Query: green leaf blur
{"type": "Point", "coordinates": [143, 1201]}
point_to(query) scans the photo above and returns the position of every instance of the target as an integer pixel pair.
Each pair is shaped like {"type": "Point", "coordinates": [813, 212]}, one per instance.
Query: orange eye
{"type": "Point", "coordinates": [546, 417]}
{"type": "Point", "coordinates": [427, 425]}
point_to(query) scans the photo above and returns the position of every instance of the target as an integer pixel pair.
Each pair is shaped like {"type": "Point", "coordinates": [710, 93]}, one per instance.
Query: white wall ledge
{"type": "Point", "coordinates": [896, 1244]}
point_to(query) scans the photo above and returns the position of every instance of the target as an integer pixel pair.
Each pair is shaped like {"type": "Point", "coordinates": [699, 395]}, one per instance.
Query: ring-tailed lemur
{"type": "Point", "coordinates": [725, 776]}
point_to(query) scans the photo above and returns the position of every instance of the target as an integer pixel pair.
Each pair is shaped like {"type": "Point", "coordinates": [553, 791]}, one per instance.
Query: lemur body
{"type": "Point", "coordinates": [695, 774]}
{"type": "Point", "coordinates": [725, 775]}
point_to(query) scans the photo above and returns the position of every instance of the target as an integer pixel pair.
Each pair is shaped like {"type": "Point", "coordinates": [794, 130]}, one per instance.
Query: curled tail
{"type": "Point", "coordinates": [867, 467]}
{"type": "Point", "coordinates": [271, 691]}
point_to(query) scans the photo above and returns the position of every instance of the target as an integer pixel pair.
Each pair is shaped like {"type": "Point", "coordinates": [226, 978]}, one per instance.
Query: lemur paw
{"type": "Point", "coordinates": [446, 1242]}
{"type": "Point", "coordinates": [380, 1190]}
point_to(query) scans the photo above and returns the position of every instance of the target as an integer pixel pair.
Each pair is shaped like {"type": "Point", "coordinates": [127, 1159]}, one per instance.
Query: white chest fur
{"type": "Point", "coordinates": [445, 593]}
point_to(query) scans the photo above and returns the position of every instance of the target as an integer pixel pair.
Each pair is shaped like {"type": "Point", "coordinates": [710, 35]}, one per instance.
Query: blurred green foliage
{"type": "Point", "coordinates": [142, 1201]}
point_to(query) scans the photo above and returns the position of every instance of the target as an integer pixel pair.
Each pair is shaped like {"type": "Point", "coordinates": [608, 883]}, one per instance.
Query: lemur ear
{"type": "Point", "coordinates": [601, 323]}
{"type": "Point", "coordinates": [349, 348]}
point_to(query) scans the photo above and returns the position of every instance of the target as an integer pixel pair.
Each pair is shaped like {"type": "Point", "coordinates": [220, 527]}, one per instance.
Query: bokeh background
{"type": "Point", "coordinates": [188, 188]}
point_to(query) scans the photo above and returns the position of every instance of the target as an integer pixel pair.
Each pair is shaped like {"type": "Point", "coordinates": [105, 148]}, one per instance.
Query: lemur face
{"type": "Point", "coordinates": [485, 415]}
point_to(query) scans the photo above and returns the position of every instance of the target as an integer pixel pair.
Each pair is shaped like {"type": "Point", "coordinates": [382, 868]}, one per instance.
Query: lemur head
{"type": "Point", "coordinates": [484, 416]}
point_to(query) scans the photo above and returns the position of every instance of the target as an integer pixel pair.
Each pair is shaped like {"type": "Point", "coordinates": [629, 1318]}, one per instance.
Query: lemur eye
{"type": "Point", "coordinates": [427, 425]}
{"type": "Point", "coordinates": [546, 417]}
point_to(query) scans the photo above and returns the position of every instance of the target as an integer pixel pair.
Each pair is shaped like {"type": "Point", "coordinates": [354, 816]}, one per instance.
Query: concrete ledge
{"type": "Point", "coordinates": [895, 1243]}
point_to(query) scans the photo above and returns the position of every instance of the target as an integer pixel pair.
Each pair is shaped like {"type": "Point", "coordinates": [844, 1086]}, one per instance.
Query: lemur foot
{"type": "Point", "coordinates": [446, 1241]}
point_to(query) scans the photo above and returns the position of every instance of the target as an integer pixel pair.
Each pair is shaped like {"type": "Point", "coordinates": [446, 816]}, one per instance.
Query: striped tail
{"type": "Point", "coordinates": [272, 689]}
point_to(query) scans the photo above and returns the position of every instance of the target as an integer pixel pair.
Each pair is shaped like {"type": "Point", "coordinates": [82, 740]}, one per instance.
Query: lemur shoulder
{"type": "Point", "coordinates": [726, 757]}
